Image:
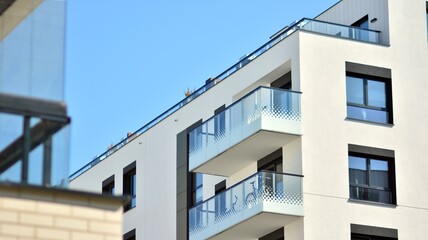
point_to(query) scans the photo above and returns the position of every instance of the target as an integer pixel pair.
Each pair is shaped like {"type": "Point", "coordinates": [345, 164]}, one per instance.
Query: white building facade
{"type": "Point", "coordinates": [318, 134]}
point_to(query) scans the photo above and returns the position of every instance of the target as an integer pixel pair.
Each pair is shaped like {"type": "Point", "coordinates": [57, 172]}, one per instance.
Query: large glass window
{"type": "Point", "coordinates": [371, 178]}
{"type": "Point", "coordinates": [368, 98]}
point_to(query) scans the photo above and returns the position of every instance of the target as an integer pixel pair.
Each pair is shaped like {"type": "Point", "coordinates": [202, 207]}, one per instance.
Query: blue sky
{"type": "Point", "coordinates": [127, 61]}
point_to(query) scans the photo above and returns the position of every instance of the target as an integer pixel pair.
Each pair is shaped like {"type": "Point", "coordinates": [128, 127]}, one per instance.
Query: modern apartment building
{"type": "Point", "coordinates": [34, 200]}
{"type": "Point", "coordinates": [318, 134]}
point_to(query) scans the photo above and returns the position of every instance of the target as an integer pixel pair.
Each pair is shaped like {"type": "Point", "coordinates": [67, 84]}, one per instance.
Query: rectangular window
{"type": "Point", "coordinates": [129, 184]}
{"type": "Point", "coordinates": [197, 194]}
{"type": "Point", "coordinates": [220, 200]}
{"type": "Point", "coordinates": [363, 23]}
{"type": "Point", "coordinates": [371, 177]}
{"type": "Point", "coordinates": [369, 237]}
{"type": "Point", "coordinates": [368, 98]}
{"type": "Point", "coordinates": [196, 198]}
{"type": "Point", "coordinates": [195, 139]}
{"type": "Point", "coordinates": [275, 235]}
{"type": "Point", "coordinates": [363, 232]}
{"type": "Point", "coordinates": [108, 186]}
{"type": "Point", "coordinates": [273, 163]}
{"type": "Point", "coordinates": [130, 235]}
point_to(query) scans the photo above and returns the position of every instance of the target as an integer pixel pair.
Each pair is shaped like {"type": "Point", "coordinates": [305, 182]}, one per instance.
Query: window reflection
{"type": "Point", "coordinates": [369, 179]}
{"type": "Point", "coordinates": [368, 99]}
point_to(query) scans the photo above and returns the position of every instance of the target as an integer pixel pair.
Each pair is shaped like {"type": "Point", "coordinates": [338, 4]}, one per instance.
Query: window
{"type": "Point", "coordinates": [427, 16]}
{"type": "Point", "coordinates": [360, 34]}
{"type": "Point", "coordinates": [129, 184]}
{"type": "Point", "coordinates": [219, 123]}
{"type": "Point", "coordinates": [273, 163]}
{"type": "Point", "coordinates": [369, 237]}
{"type": "Point", "coordinates": [129, 235]}
{"type": "Point", "coordinates": [368, 98]}
{"type": "Point", "coordinates": [371, 177]}
{"type": "Point", "coordinates": [108, 186]}
{"type": "Point", "coordinates": [220, 199]}
{"type": "Point", "coordinates": [195, 139]}
{"type": "Point", "coordinates": [283, 82]}
{"type": "Point", "coordinates": [362, 23]}
{"type": "Point", "coordinates": [275, 235]}
{"type": "Point", "coordinates": [363, 232]}
{"type": "Point", "coordinates": [197, 196]}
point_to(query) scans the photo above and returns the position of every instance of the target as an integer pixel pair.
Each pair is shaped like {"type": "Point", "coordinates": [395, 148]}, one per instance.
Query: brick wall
{"type": "Point", "coordinates": [54, 215]}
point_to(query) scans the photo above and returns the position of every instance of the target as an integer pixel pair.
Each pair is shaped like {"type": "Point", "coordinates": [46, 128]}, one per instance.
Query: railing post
{"type": "Point", "coordinates": [207, 212]}
{"type": "Point", "coordinates": [26, 148]}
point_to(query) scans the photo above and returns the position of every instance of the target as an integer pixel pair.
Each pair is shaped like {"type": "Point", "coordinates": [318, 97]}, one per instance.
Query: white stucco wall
{"type": "Point", "coordinates": [327, 133]}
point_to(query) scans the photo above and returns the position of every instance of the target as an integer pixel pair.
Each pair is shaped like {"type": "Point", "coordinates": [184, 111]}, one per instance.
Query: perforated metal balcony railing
{"type": "Point", "coordinates": [251, 128]}
{"type": "Point", "coordinates": [246, 205]}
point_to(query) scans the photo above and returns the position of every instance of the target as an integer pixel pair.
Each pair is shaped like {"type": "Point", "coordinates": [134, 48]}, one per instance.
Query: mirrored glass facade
{"type": "Point", "coordinates": [34, 137]}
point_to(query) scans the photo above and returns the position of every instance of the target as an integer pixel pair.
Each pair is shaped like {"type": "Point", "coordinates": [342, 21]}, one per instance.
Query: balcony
{"type": "Point", "coordinates": [338, 30]}
{"type": "Point", "coordinates": [251, 128]}
{"type": "Point", "coordinates": [241, 211]}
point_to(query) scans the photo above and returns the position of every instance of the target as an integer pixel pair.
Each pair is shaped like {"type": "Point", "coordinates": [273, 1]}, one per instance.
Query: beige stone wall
{"type": "Point", "coordinates": [56, 216]}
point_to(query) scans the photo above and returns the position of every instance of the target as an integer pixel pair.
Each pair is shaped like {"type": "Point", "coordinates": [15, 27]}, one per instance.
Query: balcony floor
{"type": "Point", "coordinates": [246, 152]}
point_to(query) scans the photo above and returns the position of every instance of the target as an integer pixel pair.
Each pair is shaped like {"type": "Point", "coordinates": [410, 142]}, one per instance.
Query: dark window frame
{"type": "Point", "coordinates": [391, 176]}
{"type": "Point", "coordinates": [388, 95]}
{"type": "Point", "coordinates": [275, 235]}
{"type": "Point", "coordinates": [283, 82]}
{"type": "Point", "coordinates": [271, 162]}
{"type": "Point", "coordinates": [356, 236]}
{"type": "Point", "coordinates": [219, 122]}
{"type": "Point", "coordinates": [131, 235]}
{"type": "Point", "coordinates": [364, 232]}
{"type": "Point", "coordinates": [108, 186]}
{"type": "Point", "coordinates": [129, 184]}
{"type": "Point", "coordinates": [195, 188]}
{"type": "Point", "coordinates": [361, 21]}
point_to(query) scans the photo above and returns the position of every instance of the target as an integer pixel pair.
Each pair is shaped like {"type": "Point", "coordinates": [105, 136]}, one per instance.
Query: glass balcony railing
{"type": "Point", "coordinates": [264, 108]}
{"type": "Point", "coordinates": [337, 30]}
{"type": "Point", "coordinates": [280, 193]}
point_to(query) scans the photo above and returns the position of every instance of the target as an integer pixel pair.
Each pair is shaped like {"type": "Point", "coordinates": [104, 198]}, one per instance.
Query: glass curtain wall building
{"type": "Point", "coordinates": [33, 116]}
